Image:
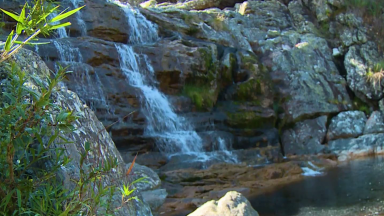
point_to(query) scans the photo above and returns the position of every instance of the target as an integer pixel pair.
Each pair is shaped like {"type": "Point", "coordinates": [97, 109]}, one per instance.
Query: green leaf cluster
{"type": "Point", "coordinates": [33, 21]}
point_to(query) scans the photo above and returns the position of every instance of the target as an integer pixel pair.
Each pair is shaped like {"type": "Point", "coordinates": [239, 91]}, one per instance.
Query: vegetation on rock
{"type": "Point", "coordinates": [31, 168]}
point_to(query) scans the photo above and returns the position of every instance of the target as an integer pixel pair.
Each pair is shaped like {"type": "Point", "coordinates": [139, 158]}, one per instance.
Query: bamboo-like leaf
{"type": "Point", "coordinates": [22, 14]}
{"type": "Point", "coordinates": [59, 25]}
{"type": "Point", "coordinates": [14, 16]}
{"type": "Point", "coordinates": [65, 15]}
{"type": "Point", "coordinates": [18, 192]}
{"type": "Point", "coordinates": [29, 43]}
{"type": "Point", "coordinates": [19, 28]}
{"type": "Point", "coordinates": [47, 14]}
{"type": "Point", "coordinates": [8, 43]}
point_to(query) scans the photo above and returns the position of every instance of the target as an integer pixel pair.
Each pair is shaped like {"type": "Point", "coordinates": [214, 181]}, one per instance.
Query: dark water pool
{"type": "Point", "coordinates": [344, 190]}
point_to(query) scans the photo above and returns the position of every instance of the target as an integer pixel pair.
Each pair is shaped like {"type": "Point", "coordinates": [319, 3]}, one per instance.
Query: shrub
{"type": "Point", "coordinates": [31, 124]}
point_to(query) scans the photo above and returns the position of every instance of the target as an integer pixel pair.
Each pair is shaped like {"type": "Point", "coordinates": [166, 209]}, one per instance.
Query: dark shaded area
{"type": "Point", "coordinates": [359, 182]}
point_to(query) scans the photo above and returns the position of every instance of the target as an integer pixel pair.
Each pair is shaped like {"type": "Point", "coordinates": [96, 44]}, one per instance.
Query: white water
{"type": "Point", "coordinates": [310, 172]}
{"type": "Point", "coordinates": [140, 30]}
{"type": "Point", "coordinates": [174, 134]}
{"type": "Point", "coordinates": [80, 21]}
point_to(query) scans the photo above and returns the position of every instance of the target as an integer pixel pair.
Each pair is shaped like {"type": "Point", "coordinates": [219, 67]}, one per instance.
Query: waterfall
{"type": "Point", "coordinates": [80, 21]}
{"type": "Point", "coordinates": [173, 134]}
{"type": "Point", "coordinates": [88, 89]}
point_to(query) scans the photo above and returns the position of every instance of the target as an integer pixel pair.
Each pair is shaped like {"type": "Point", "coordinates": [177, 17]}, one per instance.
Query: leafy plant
{"type": "Point", "coordinates": [32, 21]}
{"type": "Point", "coordinates": [32, 129]}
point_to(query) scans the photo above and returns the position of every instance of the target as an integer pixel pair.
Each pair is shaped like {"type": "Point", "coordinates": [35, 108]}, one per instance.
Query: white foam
{"type": "Point", "coordinates": [310, 172]}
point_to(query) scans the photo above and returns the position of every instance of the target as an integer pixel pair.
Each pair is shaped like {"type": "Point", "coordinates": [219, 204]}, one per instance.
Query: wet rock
{"type": "Point", "coordinates": [305, 137]}
{"type": "Point", "coordinates": [346, 124]}
{"type": "Point", "coordinates": [154, 198]}
{"type": "Point", "coordinates": [151, 181]}
{"type": "Point", "coordinates": [375, 123]}
{"type": "Point", "coordinates": [359, 60]}
{"type": "Point", "coordinates": [369, 144]}
{"type": "Point", "coordinates": [233, 203]}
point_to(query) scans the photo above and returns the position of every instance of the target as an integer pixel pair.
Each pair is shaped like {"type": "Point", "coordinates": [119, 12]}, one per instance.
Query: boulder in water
{"type": "Point", "coordinates": [232, 204]}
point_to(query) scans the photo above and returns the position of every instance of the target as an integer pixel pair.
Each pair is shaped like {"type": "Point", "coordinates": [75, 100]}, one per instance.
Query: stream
{"type": "Point", "coordinates": [353, 188]}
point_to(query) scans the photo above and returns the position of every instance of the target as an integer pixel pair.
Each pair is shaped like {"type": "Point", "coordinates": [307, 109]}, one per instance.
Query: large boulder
{"type": "Point", "coordinates": [305, 75]}
{"type": "Point", "coordinates": [232, 204]}
{"type": "Point", "coordinates": [359, 61]}
{"type": "Point", "coordinates": [306, 137]}
{"type": "Point", "coordinates": [369, 144]}
{"type": "Point", "coordinates": [346, 124]}
{"type": "Point", "coordinates": [89, 129]}
{"type": "Point", "coordinates": [375, 123]}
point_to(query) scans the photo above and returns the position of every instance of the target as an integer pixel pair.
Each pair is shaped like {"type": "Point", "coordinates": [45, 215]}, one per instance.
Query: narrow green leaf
{"type": "Point", "coordinates": [65, 15]}
{"type": "Point", "coordinates": [14, 16]}
{"type": "Point", "coordinates": [18, 197]}
{"type": "Point", "coordinates": [8, 43]}
{"type": "Point", "coordinates": [19, 28]}
{"type": "Point", "coordinates": [47, 14]}
{"type": "Point", "coordinates": [40, 43]}
{"type": "Point", "coordinates": [59, 25]}
{"type": "Point", "coordinates": [87, 146]}
{"type": "Point", "coordinates": [22, 15]}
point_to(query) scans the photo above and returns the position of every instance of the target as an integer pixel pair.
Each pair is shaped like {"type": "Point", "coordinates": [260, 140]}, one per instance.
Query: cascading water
{"type": "Point", "coordinates": [80, 21]}
{"type": "Point", "coordinates": [173, 133]}
{"type": "Point", "coordinates": [88, 89]}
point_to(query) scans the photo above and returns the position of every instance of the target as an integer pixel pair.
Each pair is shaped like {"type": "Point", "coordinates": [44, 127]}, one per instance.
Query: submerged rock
{"type": "Point", "coordinates": [369, 144]}
{"type": "Point", "coordinates": [232, 204]}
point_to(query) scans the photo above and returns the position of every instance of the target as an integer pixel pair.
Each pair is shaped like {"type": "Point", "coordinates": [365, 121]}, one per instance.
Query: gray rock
{"type": "Point", "coordinates": [221, 193]}
{"type": "Point", "coordinates": [375, 123]}
{"type": "Point", "coordinates": [306, 75]}
{"type": "Point", "coordinates": [346, 124]}
{"type": "Point", "coordinates": [351, 29]}
{"type": "Point", "coordinates": [232, 204]}
{"type": "Point", "coordinates": [364, 145]}
{"type": "Point", "coordinates": [154, 198]}
{"type": "Point", "coordinates": [358, 61]}
{"type": "Point", "coordinates": [305, 137]}
{"type": "Point", "coordinates": [152, 180]}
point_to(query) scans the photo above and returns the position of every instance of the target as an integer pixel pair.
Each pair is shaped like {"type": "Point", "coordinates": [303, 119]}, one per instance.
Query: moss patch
{"type": "Point", "coordinates": [202, 97]}
{"type": "Point", "coordinates": [249, 119]}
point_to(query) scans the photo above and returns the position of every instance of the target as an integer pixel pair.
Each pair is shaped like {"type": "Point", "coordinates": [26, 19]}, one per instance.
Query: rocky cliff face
{"type": "Point", "coordinates": [267, 74]}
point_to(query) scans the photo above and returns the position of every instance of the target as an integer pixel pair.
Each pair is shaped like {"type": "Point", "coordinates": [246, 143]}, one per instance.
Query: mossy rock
{"type": "Point", "coordinates": [227, 69]}
{"type": "Point", "coordinates": [250, 119]}
{"type": "Point", "coordinates": [203, 97]}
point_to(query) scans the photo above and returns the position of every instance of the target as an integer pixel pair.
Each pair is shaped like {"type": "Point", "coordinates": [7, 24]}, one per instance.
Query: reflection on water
{"type": "Point", "coordinates": [352, 185]}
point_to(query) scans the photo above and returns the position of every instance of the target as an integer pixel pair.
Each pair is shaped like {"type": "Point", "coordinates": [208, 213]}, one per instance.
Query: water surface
{"type": "Point", "coordinates": [343, 190]}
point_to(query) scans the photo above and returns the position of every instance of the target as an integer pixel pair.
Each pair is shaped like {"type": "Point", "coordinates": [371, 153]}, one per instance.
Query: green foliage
{"type": "Point", "coordinates": [33, 129]}
{"type": "Point", "coordinates": [358, 104]}
{"type": "Point", "coordinates": [32, 21]}
{"type": "Point", "coordinates": [369, 7]}
{"type": "Point", "coordinates": [31, 126]}
{"type": "Point", "coordinates": [201, 96]}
